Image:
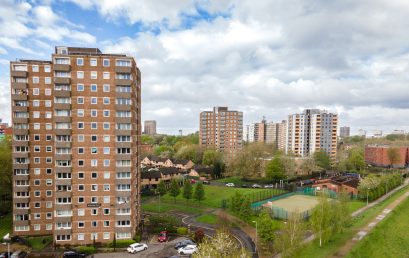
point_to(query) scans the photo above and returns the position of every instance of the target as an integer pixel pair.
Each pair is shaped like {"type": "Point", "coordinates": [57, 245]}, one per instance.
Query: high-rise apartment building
{"type": "Point", "coordinates": [344, 131]}
{"type": "Point", "coordinates": [150, 127]}
{"type": "Point", "coordinates": [221, 129]}
{"type": "Point", "coordinates": [76, 134]}
{"type": "Point", "coordinates": [270, 133]}
{"type": "Point", "coordinates": [311, 131]}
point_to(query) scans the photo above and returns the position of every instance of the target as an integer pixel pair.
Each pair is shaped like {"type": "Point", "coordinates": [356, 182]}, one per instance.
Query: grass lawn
{"type": "Point", "coordinates": [312, 250]}
{"type": "Point", "coordinates": [215, 194]}
{"type": "Point", "coordinates": [6, 225]}
{"type": "Point", "coordinates": [207, 218]}
{"type": "Point", "coordinates": [153, 206]}
{"type": "Point", "coordinates": [389, 238]}
{"type": "Point", "coordinates": [355, 205]}
{"type": "Point", "coordinates": [38, 243]}
{"type": "Point", "coordinates": [236, 180]}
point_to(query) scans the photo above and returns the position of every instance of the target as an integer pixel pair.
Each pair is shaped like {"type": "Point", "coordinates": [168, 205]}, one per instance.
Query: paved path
{"type": "Point", "coordinates": [347, 247]}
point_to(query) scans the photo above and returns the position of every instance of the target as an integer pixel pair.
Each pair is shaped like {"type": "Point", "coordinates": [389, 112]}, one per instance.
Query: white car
{"type": "Point", "coordinates": [269, 186]}
{"type": "Point", "coordinates": [136, 247]}
{"type": "Point", "coordinates": [189, 249]}
{"type": "Point", "coordinates": [230, 184]}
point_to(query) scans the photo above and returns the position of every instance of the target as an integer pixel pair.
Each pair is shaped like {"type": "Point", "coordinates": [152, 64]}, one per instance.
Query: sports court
{"type": "Point", "coordinates": [294, 203]}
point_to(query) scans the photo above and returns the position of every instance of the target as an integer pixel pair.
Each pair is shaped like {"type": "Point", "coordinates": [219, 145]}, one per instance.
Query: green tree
{"type": "Point", "coordinates": [236, 201]}
{"type": "Point", "coordinates": [218, 169]}
{"type": "Point", "coordinates": [199, 193]}
{"type": "Point", "coordinates": [211, 157]}
{"type": "Point", "coordinates": [322, 159]}
{"type": "Point", "coordinates": [147, 139]}
{"type": "Point", "coordinates": [6, 175]}
{"type": "Point", "coordinates": [275, 168]}
{"type": "Point", "coordinates": [222, 245]}
{"type": "Point", "coordinates": [308, 165]}
{"type": "Point", "coordinates": [190, 152]}
{"type": "Point", "coordinates": [393, 155]}
{"type": "Point", "coordinates": [267, 227]}
{"type": "Point", "coordinates": [356, 159]}
{"type": "Point", "coordinates": [321, 220]}
{"type": "Point", "coordinates": [161, 188]}
{"type": "Point", "coordinates": [174, 190]}
{"type": "Point", "coordinates": [291, 235]}
{"type": "Point", "coordinates": [164, 151]}
{"type": "Point", "coordinates": [245, 209]}
{"type": "Point", "coordinates": [187, 190]}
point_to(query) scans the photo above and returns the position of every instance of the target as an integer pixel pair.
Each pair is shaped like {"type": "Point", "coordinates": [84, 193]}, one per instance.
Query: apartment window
{"type": "Point", "coordinates": [106, 199]}
{"type": "Point", "coordinates": [107, 175]}
{"type": "Point", "coordinates": [36, 137]}
{"type": "Point", "coordinates": [123, 62]}
{"type": "Point", "coordinates": [106, 223]}
{"type": "Point", "coordinates": [106, 235]}
{"type": "Point", "coordinates": [47, 80]}
{"type": "Point", "coordinates": [81, 188]}
{"type": "Point", "coordinates": [106, 187]}
{"type": "Point", "coordinates": [36, 91]}
{"type": "Point", "coordinates": [48, 171]}
{"type": "Point", "coordinates": [48, 92]}
{"type": "Point", "coordinates": [80, 125]}
{"type": "Point", "coordinates": [94, 212]}
{"type": "Point", "coordinates": [48, 126]}
{"type": "Point", "coordinates": [47, 103]}
{"type": "Point", "coordinates": [94, 138]}
{"type": "Point", "coordinates": [94, 150]}
{"type": "Point", "coordinates": [36, 114]}
{"type": "Point", "coordinates": [35, 68]}
{"type": "Point", "coordinates": [106, 113]}
{"type": "Point", "coordinates": [48, 137]}
{"type": "Point", "coordinates": [37, 171]}
{"type": "Point", "coordinates": [106, 211]}
{"type": "Point", "coordinates": [105, 62]}
{"type": "Point", "coordinates": [106, 101]}
{"type": "Point", "coordinates": [49, 205]}
{"type": "Point", "coordinates": [80, 150]}
{"type": "Point", "coordinates": [106, 87]}
{"type": "Point", "coordinates": [81, 163]}
{"type": "Point", "coordinates": [94, 224]}
{"type": "Point", "coordinates": [94, 75]}
{"type": "Point", "coordinates": [80, 100]}
{"type": "Point", "coordinates": [94, 188]}
{"type": "Point", "coordinates": [81, 224]}
{"type": "Point", "coordinates": [81, 236]}
{"type": "Point", "coordinates": [47, 68]}
{"type": "Point", "coordinates": [48, 148]}
{"type": "Point", "coordinates": [36, 80]}
{"type": "Point", "coordinates": [106, 138]}
{"type": "Point", "coordinates": [36, 126]}
{"type": "Point", "coordinates": [81, 137]}
{"type": "Point", "coordinates": [80, 61]}
{"type": "Point", "coordinates": [106, 162]}
{"type": "Point", "coordinates": [94, 163]}
{"type": "Point", "coordinates": [94, 87]}
{"type": "Point", "coordinates": [36, 103]}
{"type": "Point", "coordinates": [81, 212]}
{"type": "Point", "coordinates": [37, 193]}
{"type": "Point", "coordinates": [36, 148]}
{"type": "Point", "coordinates": [106, 75]}
{"type": "Point", "coordinates": [49, 226]}
{"type": "Point", "coordinates": [48, 115]}
{"type": "Point", "coordinates": [106, 126]}
{"type": "Point", "coordinates": [80, 112]}
{"type": "Point", "coordinates": [80, 74]}
{"type": "Point", "coordinates": [36, 160]}
{"type": "Point", "coordinates": [94, 113]}
{"type": "Point", "coordinates": [81, 199]}
{"type": "Point", "coordinates": [80, 87]}
{"type": "Point", "coordinates": [81, 175]}
{"type": "Point", "coordinates": [94, 175]}
{"type": "Point", "coordinates": [49, 182]}
{"type": "Point", "coordinates": [93, 62]}
{"type": "Point", "coordinates": [94, 100]}
{"type": "Point", "coordinates": [48, 193]}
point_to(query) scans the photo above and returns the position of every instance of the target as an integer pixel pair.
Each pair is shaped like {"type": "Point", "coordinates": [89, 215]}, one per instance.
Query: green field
{"type": "Point", "coordinates": [215, 194]}
{"type": "Point", "coordinates": [38, 243]}
{"type": "Point", "coordinates": [312, 249]}
{"type": "Point", "coordinates": [6, 225]}
{"type": "Point", "coordinates": [154, 206]}
{"type": "Point", "coordinates": [207, 218]}
{"type": "Point", "coordinates": [389, 238]}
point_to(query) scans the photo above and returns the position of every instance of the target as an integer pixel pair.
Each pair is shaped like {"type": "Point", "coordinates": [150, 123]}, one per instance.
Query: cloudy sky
{"type": "Point", "coordinates": [265, 58]}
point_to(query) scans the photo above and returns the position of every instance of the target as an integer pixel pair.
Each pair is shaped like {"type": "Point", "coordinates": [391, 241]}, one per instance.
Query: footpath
{"type": "Point", "coordinates": [362, 232]}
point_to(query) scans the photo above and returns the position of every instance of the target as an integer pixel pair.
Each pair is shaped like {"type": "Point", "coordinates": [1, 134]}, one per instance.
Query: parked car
{"type": "Point", "coordinates": [189, 249]}
{"type": "Point", "coordinates": [163, 236]}
{"type": "Point", "coordinates": [73, 254]}
{"type": "Point", "coordinates": [184, 243]}
{"type": "Point", "coordinates": [5, 255]}
{"type": "Point", "coordinates": [256, 186]}
{"type": "Point", "coordinates": [20, 240]}
{"type": "Point", "coordinates": [269, 186]}
{"type": "Point", "coordinates": [244, 186]}
{"type": "Point", "coordinates": [206, 182]}
{"type": "Point", "coordinates": [136, 247]}
{"type": "Point", "coordinates": [230, 184]}
{"type": "Point", "coordinates": [19, 254]}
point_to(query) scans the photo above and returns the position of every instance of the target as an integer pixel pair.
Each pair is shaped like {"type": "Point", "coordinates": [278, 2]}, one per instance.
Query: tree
{"type": "Point", "coordinates": [322, 159]}
{"type": "Point", "coordinates": [308, 165]}
{"type": "Point", "coordinates": [236, 201]}
{"type": "Point", "coordinates": [218, 169]}
{"type": "Point", "coordinates": [187, 190]}
{"type": "Point", "coordinates": [211, 157]}
{"type": "Point", "coordinates": [174, 190]}
{"type": "Point", "coordinates": [245, 209]}
{"type": "Point", "coordinates": [356, 159]}
{"type": "Point", "coordinates": [199, 235]}
{"type": "Point", "coordinates": [147, 139]}
{"type": "Point", "coordinates": [222, 245]}
{"type": "Point", "coordinates": [291, 235]}
{"type": "Point", "coordinates": [321, 219]}
{"type": "Point", "coordinates": [6, 175]}
{"type": "Point", "coordinates": [394, 156]}
{"type": "Point", "coordinates": [164, 151]}
{"type": "Point", "coordinates": [275, 168]}
{"type": "Point", "coordinates": [161, 188]}
{"type": "Point", "coordinates": [190, 152]}
{"type": "Point", "coordinates": [288, 164]}
{"type": "Point", "coordinates": [267, 227]}
{"type": "Point", "coordinates": [199, 193]}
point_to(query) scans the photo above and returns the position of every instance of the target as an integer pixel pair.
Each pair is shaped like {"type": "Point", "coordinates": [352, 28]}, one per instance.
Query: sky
{"type": "Point", "coordinates": [265, 58]}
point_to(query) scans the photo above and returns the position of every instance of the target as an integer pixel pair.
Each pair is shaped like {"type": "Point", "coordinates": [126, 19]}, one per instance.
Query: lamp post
{"type": "Point", "coordinates": [256, 234]}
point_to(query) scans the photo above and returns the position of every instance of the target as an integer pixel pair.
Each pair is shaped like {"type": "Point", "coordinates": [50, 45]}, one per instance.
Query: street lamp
{"type": "Point", "coordinates": [256, 233]}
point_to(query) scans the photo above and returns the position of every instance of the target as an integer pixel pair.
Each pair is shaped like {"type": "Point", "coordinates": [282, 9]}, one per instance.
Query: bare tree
{"type": "Point", "coordinates": [393, 155]}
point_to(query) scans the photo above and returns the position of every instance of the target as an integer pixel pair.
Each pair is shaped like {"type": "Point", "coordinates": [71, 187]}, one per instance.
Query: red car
{"type": "Point", "coordinates": [163, 236]}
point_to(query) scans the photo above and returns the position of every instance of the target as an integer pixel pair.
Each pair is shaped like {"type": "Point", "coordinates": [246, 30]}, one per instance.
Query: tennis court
{"type": "Point", "coordinates": [294, 203]}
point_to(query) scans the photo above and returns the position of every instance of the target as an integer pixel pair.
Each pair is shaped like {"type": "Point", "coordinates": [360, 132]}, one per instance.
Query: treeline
{"type": "Point", "coordinates": [6, 176]}
{"type": "Point", "coordinates": [374, 186]}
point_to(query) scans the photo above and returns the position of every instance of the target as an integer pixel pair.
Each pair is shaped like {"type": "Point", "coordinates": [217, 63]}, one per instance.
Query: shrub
{"type": "Point", "coordinates": [137, 237]}
{"type": "Point", "coordinates": [87, 249]}
{"type": "Point", "coordinates": [181, 231]}
{"type": "Point", "coordinates": [122, 243]}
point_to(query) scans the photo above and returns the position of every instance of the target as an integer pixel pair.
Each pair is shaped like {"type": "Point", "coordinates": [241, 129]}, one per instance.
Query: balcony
{"type": "Point", "coordinates": [21, 177]}
{"type": "Point", "coordinates": [19, 73]}
{"type": "Point", "coordinates": [62, 93]}
{"type": "Point", "coordinates": [123, 194]}
{"type": "Point", "coordinates": [22, 199]}
{"type": "Point", "coordinates": [123, 69]}
{"type": "Point", "coordinates": [124, 95]}
{"type": "Point", "coordinates": [20, 166]}
{"type": "Point", "coordinates": [62, 194]}
{"type": "Point", "coordinates": [20, 143]}
{"type": "Point", "coordinates": [20, 131]}
{"type": "Point", "coordinates": [123, 180]}
{"type": "Point", "coordinates": [62, 67]}
{"type": "Point", "coordinates": [62, 219]}
{"type": "Point", "coordinates": [123, 132]}
{"type": "Point", "coordinates": [20, 222]}
{"type": "Point", "coordinates": [65, 106]}
{"type": "Point", "coordinates": [119, 229]}
{"type": "Point", "coordinates": [63, 144]}
{"type": "Point", "coordinates": [20, 96]}
{"type": "Point", "coordinates": [122, 217]}
{"type": "Point", "coordinates": [123, 145]}
{"type": "Point", "coordinates": [62, 131]}
{"type": "Point", "coordinates": [62, 231]}
{"type": "Point", "coordinates": [123, 107]}
{"type": "Point", "coordinates": [20, 108]}
{"type": "Point", "coordinates": [124, 82]}
{"type": "Point", "coordinates": [123, 120]}
{"type": "Point", "coordinates": [62, 119]}
{"type": "Point", "coordinates": [21, 188]}
{"type": "Point", "coordinates": [62, 80]}
{"type": "Point", "coordinates": [63, 156]}
{"type": "Point", "coordinates": [20, 155]}
{"type": "Point", "coordinates": [63, 170]}
{"type": "Point", "coordinates": [19, 85]}
{"type": "Point", "coordinates": [63, 206]}
{"type": "Point", "coordinates": [123, 205]}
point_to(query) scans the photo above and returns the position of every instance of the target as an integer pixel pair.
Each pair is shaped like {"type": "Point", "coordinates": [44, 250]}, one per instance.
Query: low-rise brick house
{"type": "Point", "coordinates": [201, 171]}
{"type": "Point", "coordinates": [183, 164]}
{"type": "Point", "coordinates": [377, 155]}
{"type": "Point", "coordinates": [344, 184]}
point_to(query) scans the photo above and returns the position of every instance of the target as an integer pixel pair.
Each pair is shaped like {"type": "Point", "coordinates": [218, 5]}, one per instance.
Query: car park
{"type": "Point", "coordinates": [256, 186]}
{"type": "Point", "coordinates": [136, 247]}
{"type": "Point", "coordinates": [184, 243]}
{"type": "Point", "coordinates": [163, 236]}
{"type": "Point", "coordinates": [189, 249]}
{"type": "Point", "coordinates": [73, 254]}
{"type": "Point", "coordinates": [230, 184]}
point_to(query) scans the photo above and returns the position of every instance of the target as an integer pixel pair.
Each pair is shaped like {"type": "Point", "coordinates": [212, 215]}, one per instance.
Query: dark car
{"type": "Point", "coordinates": [5, 255]}
{"type": "Point", "coordinates": [206, 182]}
{"type": "Point", "coordinates": [244, 186]}
{"type": "Point", "coordinates": [20, 240]}
{"type": "Point", "coordinates": [184, 243]}
{"type": "Point", "coordinates": [73, 254]}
